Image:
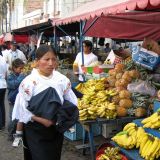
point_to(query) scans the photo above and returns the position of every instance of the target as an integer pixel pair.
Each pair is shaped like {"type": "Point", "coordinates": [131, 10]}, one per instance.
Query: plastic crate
{"type": "Point", "coordinates": [87, 69]}
{"type": "Point", "coordinates": [109, 130]}
{"type": "Point", "coordinates": [77, 134]}
{"type": "Point", "coordinates": [74, 84]}
{"type": "Point", "coordinates": [156, 105]}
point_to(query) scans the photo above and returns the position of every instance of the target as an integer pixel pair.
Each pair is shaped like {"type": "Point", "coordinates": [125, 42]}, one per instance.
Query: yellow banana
{"type": "Point", "coordinates": [148, 119]}
{"type": "Point", "coordinates": [128, 126]}
{"type": "Point", "coordinates": [153, 147]}
{"type": "Point", "coordinates": [90, 112]}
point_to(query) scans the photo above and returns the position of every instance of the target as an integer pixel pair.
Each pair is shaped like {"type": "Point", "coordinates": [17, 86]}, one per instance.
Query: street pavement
{"type": "Point", "coordinates": [7, 152]}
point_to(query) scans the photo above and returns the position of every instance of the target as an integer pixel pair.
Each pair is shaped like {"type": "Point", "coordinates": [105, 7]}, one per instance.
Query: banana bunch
{"type": "Point", "coordinates": [27, 68]}
{"type": "Point", "coordinates": [124, 140]}
{"type": "Point", "coordinates": [107, 110]}
{"type": "Point", "coordinates": [153, 121]}
{"type": "Point", "coordinates": [92, 112]}
{"type": "Point", "coordinates": [110, 153]}
{"type": "Point", "coordinates": [137, 132]}
{"type": "Point", "coordinates": [150, 147]}
{"type": "Point", "coordinates": [131, 129]}
{"type": "Point", "coordinates": [80, 87]}
{"type": "Point", "coordinates": [83, 115]}
{"type": "Point", "coordinates": [111, 92]}
{"type": "Point", "coordinates": [91, 86]}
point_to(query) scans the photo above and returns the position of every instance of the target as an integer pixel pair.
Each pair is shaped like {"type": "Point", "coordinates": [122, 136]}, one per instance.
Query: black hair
{"type": "Point", "coordinates": [43, 49]}
{"type": "Point", "coordinates": [13, 43]}
{"type": "Point", "coordinates": [88, 44]}
{"type": "Point", "coordinates": [17, 63]}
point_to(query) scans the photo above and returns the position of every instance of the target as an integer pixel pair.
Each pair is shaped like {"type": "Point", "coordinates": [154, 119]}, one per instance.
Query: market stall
{"type": "Point", "coordinates": [110, 97]}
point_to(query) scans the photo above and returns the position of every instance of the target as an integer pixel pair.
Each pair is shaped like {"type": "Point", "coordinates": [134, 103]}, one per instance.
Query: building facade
{"type": "Point", "coordinates": [30, 12]}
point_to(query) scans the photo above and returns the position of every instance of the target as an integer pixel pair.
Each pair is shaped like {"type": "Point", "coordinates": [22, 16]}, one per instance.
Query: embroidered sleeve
{"type": "Point", "coordinates": [26, 88]}
{"type": "Point", "coordinates": [68, 93]}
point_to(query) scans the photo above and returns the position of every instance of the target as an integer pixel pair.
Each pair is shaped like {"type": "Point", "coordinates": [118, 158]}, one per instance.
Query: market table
{"type": "Point", "coordinates": [88, 132]}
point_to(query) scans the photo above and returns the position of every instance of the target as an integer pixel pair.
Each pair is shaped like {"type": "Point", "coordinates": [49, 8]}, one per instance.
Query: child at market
{"type": "Point", "coordinates": [13, 81]}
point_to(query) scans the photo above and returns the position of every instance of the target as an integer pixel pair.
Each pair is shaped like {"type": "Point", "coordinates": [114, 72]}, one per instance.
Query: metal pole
{"type": "Point", "coordinates": [55, 38]}
{"type": "Point", "coordinates": [64, 31]}
{"type": "Point", "coordinates": [94, 21]}
{"type": "Point", "coordinates": [6, 25]}
{"type": "Point", "coordinates": [82, 24]}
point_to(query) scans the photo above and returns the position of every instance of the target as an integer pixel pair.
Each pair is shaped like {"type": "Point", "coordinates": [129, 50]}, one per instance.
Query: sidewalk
{"type": "Point", "coordinates": [7, 152]}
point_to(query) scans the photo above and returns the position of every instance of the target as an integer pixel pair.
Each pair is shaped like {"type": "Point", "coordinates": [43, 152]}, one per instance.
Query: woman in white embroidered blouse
{"type": "Point", "coordinates": [41, 138]}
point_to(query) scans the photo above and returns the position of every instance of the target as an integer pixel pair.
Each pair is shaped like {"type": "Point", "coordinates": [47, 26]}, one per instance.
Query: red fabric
{"type": "Point", "coordinates": [1, 39]}
{"type": "Point", "coordinates": [21, 38]}
{"type": "Point", "coordinates": [133, 26]}
{"type": "Point", "coordinates": [99, 7]}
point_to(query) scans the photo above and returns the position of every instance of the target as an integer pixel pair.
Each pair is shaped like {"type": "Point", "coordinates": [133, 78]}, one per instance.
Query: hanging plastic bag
{"type": "Point", "coordinates": [142, 87]}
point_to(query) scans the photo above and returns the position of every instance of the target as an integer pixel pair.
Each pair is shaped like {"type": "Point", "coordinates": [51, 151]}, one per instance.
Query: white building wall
{"type": "Point", "coordinates": [68, 6]}
{"type": "Point", "coordinates": [17, 15]}
{"type": "Point", "coordinates": [52, 8]}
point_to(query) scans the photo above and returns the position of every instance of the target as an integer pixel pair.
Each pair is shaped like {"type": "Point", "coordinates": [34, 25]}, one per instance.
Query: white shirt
{"type": "Point", "coordinates": [88, 59]}
{"type": "Point", "coordinates": [5, 52]}
{"type": "Point", "coordinates": [3, 72]}
{"type": "Point", "coordinates": [36, 83]}
{"type": "Point", "coordinates": [12, 55]}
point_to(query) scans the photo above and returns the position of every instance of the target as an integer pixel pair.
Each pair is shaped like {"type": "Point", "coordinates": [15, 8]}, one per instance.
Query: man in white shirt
{"type": "Point", "coordinates": [89, 58]}
{"type": "Point", "coordinates": [4, 50]}
{"type": "Point", "coordinates": [3, 86]}
{"type": "Point", "coordinates": [13, 54]}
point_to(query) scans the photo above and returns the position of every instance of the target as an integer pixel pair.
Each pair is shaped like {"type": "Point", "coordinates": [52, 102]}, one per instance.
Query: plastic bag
{"type": "Point", "coordinates": [142, 87]}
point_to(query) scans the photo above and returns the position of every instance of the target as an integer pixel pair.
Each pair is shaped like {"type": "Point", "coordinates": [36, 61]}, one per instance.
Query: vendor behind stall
{"type": "Point", "coordinates": [89, 58]}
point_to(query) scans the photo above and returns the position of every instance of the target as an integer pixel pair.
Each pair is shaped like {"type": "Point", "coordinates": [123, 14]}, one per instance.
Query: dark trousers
{"type": "Point", "coordinates": [11, 124]}
{"type": "Point", "coordinates": [2, 107]}
{"type": "Point", "coordinates": [43, 143]}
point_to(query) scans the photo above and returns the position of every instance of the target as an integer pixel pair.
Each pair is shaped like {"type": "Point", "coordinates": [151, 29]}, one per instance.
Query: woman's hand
{"type": "Point", "coordinates": [43, 121]}
{"type": "Point", "coordinates": [47, 123]}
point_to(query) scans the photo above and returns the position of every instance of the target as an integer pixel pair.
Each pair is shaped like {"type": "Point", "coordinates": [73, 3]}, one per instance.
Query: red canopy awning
{"type": "Point", "coordinates": [131, 26]}
{"type": "Point", "coordinates": [105, 7]}
{"type": "Point", "coordinates": [21, 38]}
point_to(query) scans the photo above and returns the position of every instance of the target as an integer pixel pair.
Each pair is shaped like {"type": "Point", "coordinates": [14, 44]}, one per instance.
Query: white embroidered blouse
{"type": "Point", "coordinates": [36, 83]}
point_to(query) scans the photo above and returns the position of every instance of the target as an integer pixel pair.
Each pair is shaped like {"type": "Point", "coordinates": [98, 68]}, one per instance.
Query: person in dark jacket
{"type": "Point", "coordinates": [42, 138]}
{"type": "Point", "coordinates": [13, 81]}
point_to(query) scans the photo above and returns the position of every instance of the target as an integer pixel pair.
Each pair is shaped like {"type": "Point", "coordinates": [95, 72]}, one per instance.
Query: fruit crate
{"type": "Point", "coordinates": [77, 133]}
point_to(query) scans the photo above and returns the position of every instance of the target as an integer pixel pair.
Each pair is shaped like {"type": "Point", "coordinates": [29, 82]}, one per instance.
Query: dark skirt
{"type": "Point", "coordinates": [42, 143]}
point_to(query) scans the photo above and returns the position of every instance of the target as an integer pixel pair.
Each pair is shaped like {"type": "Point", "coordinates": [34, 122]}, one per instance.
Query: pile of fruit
{"type": "Point", "coordinates": [96, 100]}
{"type": "Point", "coordinates": [28, 67]}
{"type": "Point", "coordinates": [110, 153]}
{"type": "Point", "coordinates": [133, 136]}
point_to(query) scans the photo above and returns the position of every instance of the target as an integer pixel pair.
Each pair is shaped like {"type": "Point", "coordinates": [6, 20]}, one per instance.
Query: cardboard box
{"type": "Point", "coordinates": [109, 130]}
{"type": "Point", "coordinates": [76, 132]}
{"type": "Point", "coordinates": [144, 57]}
{"type": "Point", "coordinates": [113, 58]}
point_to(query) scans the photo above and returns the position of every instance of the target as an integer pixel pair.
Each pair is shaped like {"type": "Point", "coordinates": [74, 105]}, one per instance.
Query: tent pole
{"type": "Point", "coordinates": [94, 21]}
{"type": "Point", "coordinates": [82, 24]}
{"type": "Point", "coordinates": [55, 38]}
{"type": "Point", "coordinates": [64, 31]}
